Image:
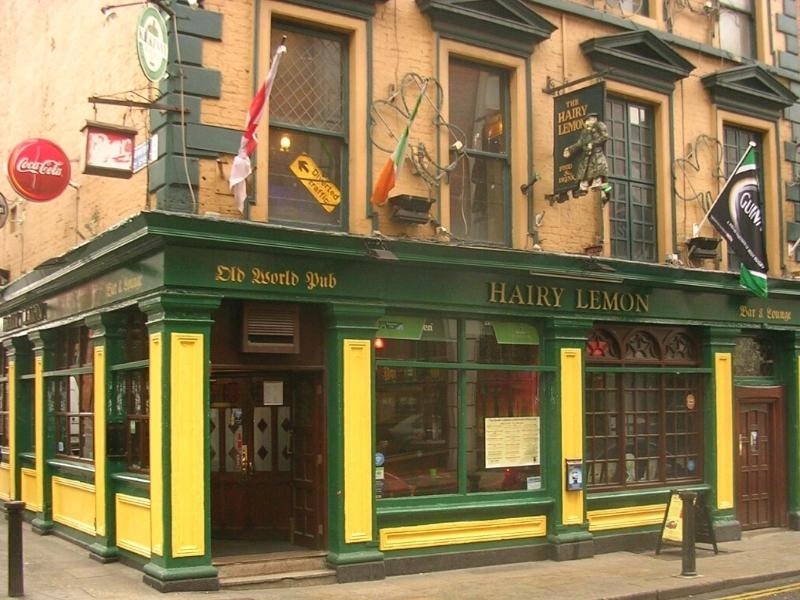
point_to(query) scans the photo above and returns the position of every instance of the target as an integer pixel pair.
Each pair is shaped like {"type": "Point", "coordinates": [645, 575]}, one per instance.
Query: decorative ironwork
{"type": "Point", "coordinates": [753, 357]}
{"type": "Point", "coordinates": [680, 347]}
{"type": "Point", "coordinates": [690, 165]}
{"type": "Point", "coordinates": [641, 345]}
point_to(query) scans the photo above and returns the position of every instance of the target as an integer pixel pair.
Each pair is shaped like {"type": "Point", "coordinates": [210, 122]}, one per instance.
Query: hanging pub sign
{"type": "Point", "coordinates": [109, 149]}
{"type": "Point", "coordinates": [3, 211]}
{"type": "Point", "coordinates": [38, 170]}
{"type": "Point", "coordinates": [579, 142]}
{"type": "Point", "coordinates": [152, 45]}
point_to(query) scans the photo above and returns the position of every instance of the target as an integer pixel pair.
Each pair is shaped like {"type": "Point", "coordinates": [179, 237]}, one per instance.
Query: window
{"type": "Point", "coordinates": [643, 409]}
{"type": "Point", "coordinates": [736, 142]}
{"type": "Point", "coordinates": [70, 390]}
{"type": "Point", "coordinates": [449, 393]}
{"type": "Point", "coordinates": [631, 162]}
{"type": "Point", "coordinates": [479, 109]}
{"type": "Point", "coordinates": [754, 356]}
{"type": "Point", "coordinates": [308, 129]}
{"type": "Point", "coordinates": [737, 27]}
{"type": "Point", "coordinates": [4, 399]}
{"type": "Point", "coordinates": [130, 415]}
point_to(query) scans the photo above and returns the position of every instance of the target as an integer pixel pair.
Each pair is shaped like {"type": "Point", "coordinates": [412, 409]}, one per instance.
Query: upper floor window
{"type": "Point", "coordinates": [308, 129]}
{"type": "Point", "coordinates": [631, 169]}
{"type": "Point", "coordinates": [631, 7]}
{"type": "Point", "coordinates": [737, 27]}
{"type": "Point", "coordinates": [735, 143]}
{"type": "Point", "coordinates": [478, 104]}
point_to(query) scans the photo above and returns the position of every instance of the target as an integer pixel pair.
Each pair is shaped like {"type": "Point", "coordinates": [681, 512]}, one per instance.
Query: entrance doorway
{"type": "Point", "coordinates": [761, 450]}
{"type": "Point", "coordinates": [268, 459]}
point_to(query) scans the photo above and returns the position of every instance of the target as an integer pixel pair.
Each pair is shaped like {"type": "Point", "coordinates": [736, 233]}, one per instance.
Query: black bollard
{"type": "Point", "coordinates": [16, 586]}
{"type": "Point", "coordinates": [688, 562]}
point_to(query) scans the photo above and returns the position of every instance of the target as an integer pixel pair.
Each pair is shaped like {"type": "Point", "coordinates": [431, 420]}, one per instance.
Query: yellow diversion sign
{"type": "Point", "coordinates": [310, 175]}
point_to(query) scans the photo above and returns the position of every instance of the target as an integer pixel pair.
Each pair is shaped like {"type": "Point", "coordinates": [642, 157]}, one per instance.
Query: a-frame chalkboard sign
{"type": "Point", "coordinates": [672, 524]}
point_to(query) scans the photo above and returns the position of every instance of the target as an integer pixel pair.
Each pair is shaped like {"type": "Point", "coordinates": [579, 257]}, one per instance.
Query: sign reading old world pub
{"type": "Point", "coordinates": [572, 161]}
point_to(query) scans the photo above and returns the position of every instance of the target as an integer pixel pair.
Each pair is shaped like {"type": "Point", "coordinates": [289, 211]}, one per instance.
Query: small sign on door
{"type": "Point", "coordinates": [273, 393]}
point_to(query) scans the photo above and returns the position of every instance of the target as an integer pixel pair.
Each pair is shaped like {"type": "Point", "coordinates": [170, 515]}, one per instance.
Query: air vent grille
{"type": "Point", "coordinates": [271, 328]}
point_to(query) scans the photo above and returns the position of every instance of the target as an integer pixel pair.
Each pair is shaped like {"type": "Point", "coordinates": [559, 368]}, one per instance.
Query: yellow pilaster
{"type": "Point", "coordinates": [156, 446]}
{"type": "Point", "coordinates": [12, 428]}
{"type": "Point", "coordinates": [100, 418]}
{"type": "Point", "coordinates": [571, 429]}
{"type": "Point", "coordinates": [357, 363]}
{"type": "Point", "coordinates": [723, 381]}
{"type": "Point", "coordinates": [38, 407]}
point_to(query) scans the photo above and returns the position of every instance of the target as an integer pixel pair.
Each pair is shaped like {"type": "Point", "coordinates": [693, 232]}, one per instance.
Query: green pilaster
{"type": "Point", "coordinates": [572, 540]}
{"type": "Point", "coordinates": [107, 336]}
{"type": "Point", "coordinates": [788, 355]}
{"type": "Point", "coordinates": [45, 429]}
{"type": "Point", "coordinates": [18, 351]}
{"type": "Point", "coordinates": [717, 341]}
{"type": "Point", "coordinates": [360, 560]}
{"type": "Point", "coordinates": [180, 502]}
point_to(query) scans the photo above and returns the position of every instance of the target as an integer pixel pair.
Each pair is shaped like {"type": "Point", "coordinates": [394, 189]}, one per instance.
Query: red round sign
{"type": "Point", "coordinates": [38, 169]}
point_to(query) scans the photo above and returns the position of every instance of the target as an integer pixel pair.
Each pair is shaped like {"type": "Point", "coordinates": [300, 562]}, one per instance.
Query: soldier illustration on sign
{"type": "Point", "coordinates": [592, 167]}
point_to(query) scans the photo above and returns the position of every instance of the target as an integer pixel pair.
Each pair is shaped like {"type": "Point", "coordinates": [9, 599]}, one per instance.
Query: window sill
{"type": "Point", "coordinates": [74, 468]}
{"type": "Point", "coordinates": [475, 504]}
{"type": "Point", "coordinates": [639, 496]}
{"type": "Point", "coordinates": [139, 480]}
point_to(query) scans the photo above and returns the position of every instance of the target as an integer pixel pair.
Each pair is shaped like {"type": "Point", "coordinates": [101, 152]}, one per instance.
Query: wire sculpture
{"type": "Point", "coordinates": [389, 116]}
{"type": "Point", "coordinates": [690, 165]}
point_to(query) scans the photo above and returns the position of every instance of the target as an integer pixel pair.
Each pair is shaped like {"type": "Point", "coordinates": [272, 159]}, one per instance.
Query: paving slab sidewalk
{"type": "Point", "coordinates": [55, 569]}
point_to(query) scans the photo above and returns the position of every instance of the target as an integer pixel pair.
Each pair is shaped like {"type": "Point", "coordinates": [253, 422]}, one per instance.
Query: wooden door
{"type": "Point", "coordinates": [308, 464]}
{"type": "Point", "coordinates": [250, 467]}
{"type": "Point", "coordinates": [761, 489]}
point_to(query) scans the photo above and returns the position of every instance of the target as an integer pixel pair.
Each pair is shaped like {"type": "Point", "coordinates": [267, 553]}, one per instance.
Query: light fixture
{"type": "Point", "coordinates": [587, 276]}
{"type": "Point", "coordinates": [286, 143]}
{"type": "Point", "coordinates": [377, 249]}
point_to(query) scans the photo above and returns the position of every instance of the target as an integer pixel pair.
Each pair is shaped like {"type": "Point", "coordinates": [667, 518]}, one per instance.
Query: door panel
{"type": "Point", "coordinates": [761, 491]}
{"type": "Point", "coordinates": [307, 462]}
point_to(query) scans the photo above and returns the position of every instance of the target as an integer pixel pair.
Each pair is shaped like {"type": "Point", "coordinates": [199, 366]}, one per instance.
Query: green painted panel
{"type": "Point", "coordinates": [199, 81]}
{"type": "Point", "coordinates": [291, 277]}
{"type": "Point", "coordinates": [190, 103]}
{"type": "Point", "coordinates": [171, 169]}
{"type": "Point", "coordinates": [211, 138]}
{"type": "Point", "coordinates": [515, 333]}
{"type": "Point", "coordinates": [201, 23]}
{"type": "Point", "coordinates": [191, 49]}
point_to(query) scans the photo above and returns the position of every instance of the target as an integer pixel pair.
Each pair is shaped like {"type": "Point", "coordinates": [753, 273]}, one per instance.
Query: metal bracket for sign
{"type": "Point", "coordinates": [554, 89]}
{"type": "Point", "coordinates": [136, 104]}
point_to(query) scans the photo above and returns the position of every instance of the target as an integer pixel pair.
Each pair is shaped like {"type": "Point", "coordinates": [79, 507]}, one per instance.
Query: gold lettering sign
{"type": "Point", "coordinates": [311, 280]}
{"type": "Point", "coordinates": [551, 297]}
{"type": "Point", "coordinates": [771, 314]}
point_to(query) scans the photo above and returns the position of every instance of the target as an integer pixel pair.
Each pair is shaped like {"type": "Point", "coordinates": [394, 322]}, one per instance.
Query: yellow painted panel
{"type": "Point", "coordinates": [723, 380]}
{"type": "Point", "coordinates": [30, 489]}
{"type": "Point", "coordinates": [156, 445]}
{"type": "Point", "coordinates": [12, 431]}
{"type": "Point", "coordinates": [631, 516]}
{"type": "Point", "coordinates": [100, 437]}
{"type": "Point", "coordinates": [357, 378]}
{"type": "Point", "coordinates": [187, 419]}
{"type": "Point", "coordinates": [571, 429]}
{"type": "Point", "coordinates": [38, 399]}
{"type": "Point", "coordinates": [133, 524]}
{"type": "Point", "coordinates": [5, 482]}
{"type": "Point", "coordinates": [462, 532]}
{"type": "Point", "coordinates": [74, 504]}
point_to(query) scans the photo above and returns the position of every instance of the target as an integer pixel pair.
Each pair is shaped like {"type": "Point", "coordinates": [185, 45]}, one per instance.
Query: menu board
{"type": "Point", "coordinates": [511, 441]}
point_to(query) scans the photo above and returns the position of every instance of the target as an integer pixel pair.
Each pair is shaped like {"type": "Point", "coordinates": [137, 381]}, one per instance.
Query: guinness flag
{"type": "Point", "coordinates": [738, 216]}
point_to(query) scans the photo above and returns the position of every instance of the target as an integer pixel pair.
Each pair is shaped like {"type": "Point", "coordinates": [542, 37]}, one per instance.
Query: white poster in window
{"type": "Point", "coordinates": [512, 441]}
{"type": "Point", "coordinates": [273, 393]}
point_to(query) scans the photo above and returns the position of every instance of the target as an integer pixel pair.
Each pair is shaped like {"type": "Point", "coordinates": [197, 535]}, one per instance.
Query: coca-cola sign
{"type": "Point", "coordinates": [38, 170]}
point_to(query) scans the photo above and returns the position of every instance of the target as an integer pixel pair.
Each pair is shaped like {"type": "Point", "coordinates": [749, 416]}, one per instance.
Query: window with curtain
{"type": "Point", "coordinates": [457, 406]}
{"type": "Point", "coordinates": [308, 129]}
{"type": "Point", "coordinates": [644, 406]}
{"type": "Point", "coordinates": [69, 389]}
{"type": "Point", "coordinates": [478, 105]}
{"type": "Point", "coordinates": [631, 168]}
{"type": "Point", "coordinates": [737, 28]}
{"type": "Point", "coordinates": [735, 143]}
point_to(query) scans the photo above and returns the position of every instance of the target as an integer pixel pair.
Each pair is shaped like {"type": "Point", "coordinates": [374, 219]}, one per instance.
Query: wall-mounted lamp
{"type": "Point", "coordinates": [586, 276]}
{"type": "Point", "coordinates": [377, 249]}
{"type": "Point", "coordinates": [285, 143]}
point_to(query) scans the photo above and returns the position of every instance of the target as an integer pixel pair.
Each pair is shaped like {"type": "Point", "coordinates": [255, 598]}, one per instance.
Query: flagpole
{"type": "Point", "coordinates": [751, 145]}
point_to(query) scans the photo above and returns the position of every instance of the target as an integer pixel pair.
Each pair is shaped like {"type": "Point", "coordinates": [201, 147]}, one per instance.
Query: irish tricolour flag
{"type": "Point", "coordinates": [388, 177]}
